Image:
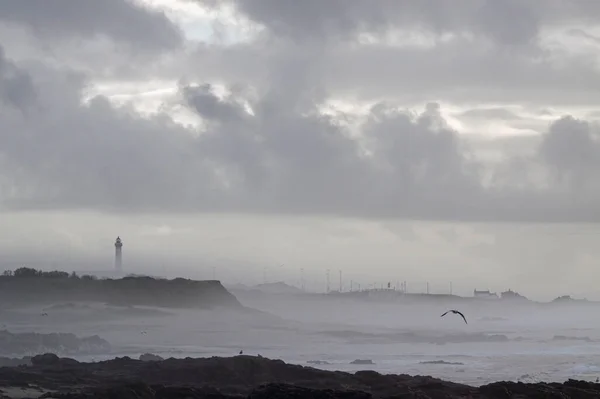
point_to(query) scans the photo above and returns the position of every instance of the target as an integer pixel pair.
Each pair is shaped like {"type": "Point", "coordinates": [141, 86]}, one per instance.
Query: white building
{"type": "Point", "coordinates": [485, 294]}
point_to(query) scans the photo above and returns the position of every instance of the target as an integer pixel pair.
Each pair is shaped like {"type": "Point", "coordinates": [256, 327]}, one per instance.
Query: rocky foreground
{"type": "Point", "coordinates": [49, 376]}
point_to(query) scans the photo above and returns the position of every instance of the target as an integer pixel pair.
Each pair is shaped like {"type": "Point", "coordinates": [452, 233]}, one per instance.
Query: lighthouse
{"type": "Point", "coordinates": [118, 255]}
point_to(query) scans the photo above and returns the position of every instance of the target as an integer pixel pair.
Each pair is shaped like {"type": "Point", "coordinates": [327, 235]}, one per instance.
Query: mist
{"type": "Point", "coordinates": [387, 330]}
{"type": "Point", "coordinates": [541, 261]}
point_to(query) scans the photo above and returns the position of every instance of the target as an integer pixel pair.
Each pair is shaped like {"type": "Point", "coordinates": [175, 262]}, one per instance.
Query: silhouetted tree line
{"type": "Point", "coordinates": [29, 272]}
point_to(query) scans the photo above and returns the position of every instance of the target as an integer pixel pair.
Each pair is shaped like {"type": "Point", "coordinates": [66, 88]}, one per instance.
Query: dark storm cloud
{"type": "Point", "coordinates": [203, 100]}
{"type": "Point", "coordinates": [267, 148]}
{"type": "Point", "coordinates": [284, 157]}
{"type": "Point", "coordinates": [278, 160]}
{"type": "Point", "coordinates": [123, 21]}
{"type": "Point", "coordinates": [72, 155]}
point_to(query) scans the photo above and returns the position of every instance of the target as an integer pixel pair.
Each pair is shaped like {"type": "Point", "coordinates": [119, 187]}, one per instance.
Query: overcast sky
{"type": "Point", "coordinates": [393, 139]}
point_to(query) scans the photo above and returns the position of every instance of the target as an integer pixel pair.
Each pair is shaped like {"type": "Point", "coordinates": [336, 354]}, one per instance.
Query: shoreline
{"type": "Point", "coordinates": [244, 376]}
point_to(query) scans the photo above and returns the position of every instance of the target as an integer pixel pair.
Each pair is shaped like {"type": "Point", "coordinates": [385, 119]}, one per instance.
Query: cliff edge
{"type": "Point", "coordinates": [31, 286]}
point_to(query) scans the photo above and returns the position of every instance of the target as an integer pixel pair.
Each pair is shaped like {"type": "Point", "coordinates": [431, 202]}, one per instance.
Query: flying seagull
{"type": "Point", "coordinates": [456, 312]}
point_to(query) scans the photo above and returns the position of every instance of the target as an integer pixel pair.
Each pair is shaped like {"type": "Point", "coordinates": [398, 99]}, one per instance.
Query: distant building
{"type": "Point", "coordinates": [510, 294]}
{"type": "Point", "coordinates": [564, 298]}
{"type": "Point", "coordinates": [485, 294]}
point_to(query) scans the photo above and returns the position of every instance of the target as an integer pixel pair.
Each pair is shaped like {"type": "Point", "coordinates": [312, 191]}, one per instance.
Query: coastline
{"type": "Point", "coordinates": [245, 376]}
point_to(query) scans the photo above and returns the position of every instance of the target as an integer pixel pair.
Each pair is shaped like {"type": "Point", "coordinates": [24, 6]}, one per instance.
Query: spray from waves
{"type": "Point", "coordinates": [358, 337]}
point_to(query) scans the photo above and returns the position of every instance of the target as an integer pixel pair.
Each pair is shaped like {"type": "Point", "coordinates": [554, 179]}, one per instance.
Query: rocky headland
{"type": "Point", "coordinates": [48, 376]}
{"type": "Point", "coordinates": [27, 286]}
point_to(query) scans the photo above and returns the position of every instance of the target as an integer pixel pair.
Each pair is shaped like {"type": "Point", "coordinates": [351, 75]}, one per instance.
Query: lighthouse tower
{"type": "Point", "coordinates": [118, 256]}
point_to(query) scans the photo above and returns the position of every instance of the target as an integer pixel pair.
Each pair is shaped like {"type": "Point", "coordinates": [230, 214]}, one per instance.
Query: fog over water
{"type": "Point", "coordinates": [502, 341]}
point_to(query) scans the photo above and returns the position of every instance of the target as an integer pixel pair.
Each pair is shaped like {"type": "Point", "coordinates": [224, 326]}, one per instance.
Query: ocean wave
{"type": "Point", "coordinates": [443, 362]}
{"type": "Point", "coordinates": [493, 318]}
{"type": "Point", "coordinates": [412, 337]}
{"type": "Point", "coordinates": [572, 338]}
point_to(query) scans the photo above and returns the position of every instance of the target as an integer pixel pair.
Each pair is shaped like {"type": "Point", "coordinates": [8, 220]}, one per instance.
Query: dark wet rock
{"type": "Point", "coordinates": [249, 377]}
{"type": "Point", "coordinates": [14, 362]}
{"type": "Point", "coordinates": [191, 393]}
{"type": "Point", "coordinates": [51, 359]}
{"type": "Point", "coordinates": [144, 391]}
{"type": "Point", "coordinates": [362, 361]}
{"type": "Point", "coordinates": [277, 391]}
{"type": "Point", "coordinates": [569, 389]}
{"type": "Point", "coordinates": [124, 391]}
{"type": "Point", "coordinates": [63, 343]}
{"type": "Point", "coordinates": [47, 359]}
{"type": "Point", "coordinates": [240, 375]}
{"type": "Point", "coordinates": [150, 357]}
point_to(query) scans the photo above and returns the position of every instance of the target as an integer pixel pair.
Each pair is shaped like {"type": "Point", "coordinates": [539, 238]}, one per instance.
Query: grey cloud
{"type": "Point", "coordinates": [285, 157]}
{"type": "Point", "coordinates": [280, 160]}
{"type": "Point", "coordinates": [492, 16]}
{"type": "Point", "coordinates": [460, 71]}
{"type": "Point", "coordinates": [558, 182]}
{"type": "Point", "coordinates": [283, 161]}
{"type": "Point", "coordinates": [423, 161]}
{"type": "Point", "coordinates": [584, 35]}
{"type": "Point", "coordinates": [208, 105]}
{"type": "Point", "coordinates": [16, 87]}
{"type": "Point", "coordinates": [497, 149]}
{"type": "Point", "coordinates": [312, 18]}
{"type": "Point", "coordinates": [402, 230]}
{"type": "Point", "coordinates": [572, 149]}
{"type": "Point", "coordinates": [506, 22]}
{"type": "Point", "coordinates": [464, 69]}
{"type": "Point", "coordinates": [315, 19]}
{"type": "Point", "coordinates": [123, 21]}
{"type": "Point", "coordinates": [70, 155]}
{"type": "Point", "coordinates": [581, 12]}
{"type": "Point", "coordinates": [513, 119]}
{"type": "Point", "coordinates": [593, 115]}
{"type": "Point", "coordinates": [489, 113]}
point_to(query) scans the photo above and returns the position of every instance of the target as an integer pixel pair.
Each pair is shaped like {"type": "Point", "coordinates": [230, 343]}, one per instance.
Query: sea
{"type": "Point", "coordinates": [514, 342]}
